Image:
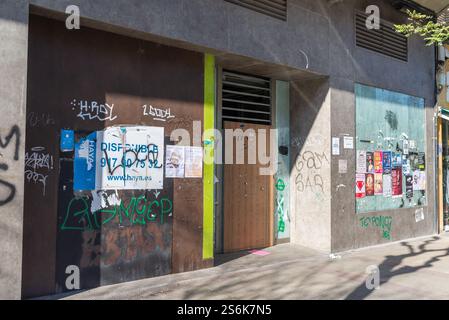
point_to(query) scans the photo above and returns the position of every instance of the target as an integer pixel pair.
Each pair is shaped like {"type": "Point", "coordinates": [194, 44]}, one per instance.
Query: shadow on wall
{"type": "Point", "coordinates": [388, 268]}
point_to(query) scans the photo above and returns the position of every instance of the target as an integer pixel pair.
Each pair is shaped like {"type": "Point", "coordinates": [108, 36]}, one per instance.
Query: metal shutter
{"type": "Point", "coordinates": [385, 40]}
{"type": "Point", "coordinates": [273, 8]}
{"type": "Point", "coordinates": [246, 98]}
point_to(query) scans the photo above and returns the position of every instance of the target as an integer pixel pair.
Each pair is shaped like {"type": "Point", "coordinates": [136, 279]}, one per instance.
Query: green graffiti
{"type": "Point", "coordinates": [138, 211]}
{"type": "Point", "coordinates": [382, 222]}
{"type": "Point", "coordinates": [280, 185]}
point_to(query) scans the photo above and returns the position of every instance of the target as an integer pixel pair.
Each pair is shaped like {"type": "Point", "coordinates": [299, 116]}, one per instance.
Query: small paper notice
{"type": "Point", "coordinates": [193, 162]}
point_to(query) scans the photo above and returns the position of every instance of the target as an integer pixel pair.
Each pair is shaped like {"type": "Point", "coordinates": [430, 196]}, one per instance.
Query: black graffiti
{"type": "Point", "coordinates": [15, 131]}
{"type": "Point", "coordinates": [11, 189]}
{"type": "Point", "coordinates": [312, 182]}
{"type": "Point", "coordinates": [133, 158]}
{"type": "Point", "coordinates": [312, 160]}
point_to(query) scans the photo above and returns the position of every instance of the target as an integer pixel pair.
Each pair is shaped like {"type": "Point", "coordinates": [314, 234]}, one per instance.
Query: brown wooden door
{"type": "Point", "coordinates": [248, 199]}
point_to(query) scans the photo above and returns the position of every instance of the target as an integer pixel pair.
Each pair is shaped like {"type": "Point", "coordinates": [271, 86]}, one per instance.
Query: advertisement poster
{"type": "Point", "coordinates": [396, 160]}
{"type": "Point", "coordinates": [386, 162]}
{"type": "Point", "coordinates": [130, 158]}
{"type": "Point", "coordinates": [348, 142]}
{"type": "Point", "coordinates": [378, 160]}
{"type": "Point", "coordinates": [378, 182]}
{"type": "Point", "coordinates": [422, 161]}
{"type": "Point", "coordinates": [369, 184]}
{"type": "Point", "coordinates": [174, 162]}
{"type": "Point", "coordinates": [335, 146]}
{"type": "Point", "coordinates": [409, 186]}
{"type": "Point", "coordinates": [406, 168]}
{"type": "Point", "coordinates": [193, 162]}
{"type": "Point", "coordinates": [387, 185]}
{"type": "Point", "coordinates": [419, 180]}
{"type": "Point", "coordinates": [360, 185]}
{"type": "Point", "coordinates": [84, 164]}
{"type": "Point", "coordinates": [396, 182]}
{"type": "Point", "coordinates": [369, 162]}
{"type": "Point", "coordinates": [361, 161]}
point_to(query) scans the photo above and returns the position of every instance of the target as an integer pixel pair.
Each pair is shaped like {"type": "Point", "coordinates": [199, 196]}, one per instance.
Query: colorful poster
{"type": "Point", "coordinates": [369, 162]}
{"type": "Point", "coordinates": [130, 158]}
{"type": "Point", "coordinates": [387, 185]}
{"type": "Point", "coordinates": [361, 161]}
{"type": "Point", "coordinates": [422, 161]}
{"type": "Point", "coordinates": [396, 160]}
{"type": "Point", "coordinates": [193, 162]}
{"type": "Point", "coordinates": [360, 185]}
{"type": "Point", "coordinates": [369, 184]}
{"type": "Point", "coordinates": [378, 160]}
{"type": "Point", "coordinates": [84, 165]}
{"type": "Point", "coordinates": [174, 162]}
{"type": "Point", "coordinates": [386, 162]}
{"type": "Point", "coordinates": [396, 182]}
{"type": "Point", "coordinates": [378, 182]}
{"type": "Point", "coordinates": [413, 159]}
{"type": "Point", "coordinates": [409, 186]}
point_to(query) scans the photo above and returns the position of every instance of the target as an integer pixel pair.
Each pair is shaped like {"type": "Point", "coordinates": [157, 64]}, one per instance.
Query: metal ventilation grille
{"type": "Point", "coordinates": [385, 40]}
{"type": "Point", "coordinates": [246, 98]}
{"type": "Point", "coordinates": [274, 8]}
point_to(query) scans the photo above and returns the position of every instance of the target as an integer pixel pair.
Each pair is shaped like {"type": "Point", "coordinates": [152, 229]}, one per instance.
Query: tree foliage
{"type": "Point", "coordinates": [425, 26]}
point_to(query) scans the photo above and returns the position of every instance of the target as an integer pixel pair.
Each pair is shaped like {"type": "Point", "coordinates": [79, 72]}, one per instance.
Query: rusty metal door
{"type": "Point", "coordinates": [248, 199]}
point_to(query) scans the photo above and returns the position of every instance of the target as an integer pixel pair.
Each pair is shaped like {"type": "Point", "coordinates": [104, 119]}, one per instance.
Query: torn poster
{"type": "Point", "coordinates": [369, 162]}
{"type": "Point", "coordinates": [378, 162]}
{"type": "Point", "coordinates": [193, 162]}
{"type": "Point", "coordinates": [386, 162]}
{"type": "Point", "coordinates": [387, 185]}
{"type": "Point", "coordinates": [84, 165]}
{"type": "Point", "coordinates": [419, 180]}
{"type": "Point", "coordinates": [369, 184]}
{"type": "Point", "coordinates": [130, 158]}
{"type": "Point", "coordinates": [378, 182]}
{"type": "Point", "coordinates": [174, 162]}
{"type": "Point", "coordinates": [396, 182]}
{"type": "Point", "coordinates": [361, 161]}
{"type": "Point", "coordinates": [360, 185]}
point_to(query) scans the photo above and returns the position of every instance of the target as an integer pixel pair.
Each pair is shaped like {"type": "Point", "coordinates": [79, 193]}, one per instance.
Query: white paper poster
{"type": "Point", "coordinates": [361, 161]}
{"type": "Point", "coordinates": [174, 162]}
{"type": "Point", "coordinates": [387, 185]}
{"type": "Point", "coordinates": [130, 158]}
{"type": "Point", "coordinates": [348, 142]}
{"type": "Point", "coordinates": [342, 166]}
{"type": "Point", "coordinates": [335, 146]}
{"type": "Point", "coordinates": [193, 162]}
{"type": "Point", "coordinates": [419, 180]}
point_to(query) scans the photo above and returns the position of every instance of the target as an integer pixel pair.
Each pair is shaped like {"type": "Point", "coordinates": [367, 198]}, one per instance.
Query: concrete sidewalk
{"type": "Point", "coordinates": [414, 269]}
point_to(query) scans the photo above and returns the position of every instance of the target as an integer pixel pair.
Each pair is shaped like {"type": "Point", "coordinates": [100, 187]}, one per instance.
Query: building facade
{"type": "Point", "coordinates": [106, 131]}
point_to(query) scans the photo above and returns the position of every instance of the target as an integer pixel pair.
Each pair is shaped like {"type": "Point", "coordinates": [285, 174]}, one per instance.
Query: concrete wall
{"type": "Point", "coordinates": [318, 38]}
{"type": "Point", "coordinates": [13, 70]}
{"type": "Point", "coordinates": [415, 77]}
{"type": "Point", "coordinates": [310, 174]}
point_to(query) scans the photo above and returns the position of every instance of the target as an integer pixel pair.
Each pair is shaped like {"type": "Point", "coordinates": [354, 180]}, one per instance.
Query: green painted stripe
{"type": "Point", "coordinates": [208, 178]}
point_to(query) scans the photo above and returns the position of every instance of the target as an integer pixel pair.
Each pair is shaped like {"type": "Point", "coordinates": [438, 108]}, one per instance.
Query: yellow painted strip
{"type": "Point", "coordinates": [208, 178]}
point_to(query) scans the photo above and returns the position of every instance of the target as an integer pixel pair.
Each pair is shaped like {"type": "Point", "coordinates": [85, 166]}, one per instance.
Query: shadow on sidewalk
{"type": "Point", "coordinates": [391, 262]}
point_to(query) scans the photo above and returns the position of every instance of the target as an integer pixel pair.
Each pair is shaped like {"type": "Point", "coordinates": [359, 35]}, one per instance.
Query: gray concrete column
{"type": "Point", "coordinates": [13, 80]}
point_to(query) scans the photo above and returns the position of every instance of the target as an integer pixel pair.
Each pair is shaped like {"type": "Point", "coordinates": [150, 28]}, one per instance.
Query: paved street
{"type": "Point", "coordinates": [415, 269]}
